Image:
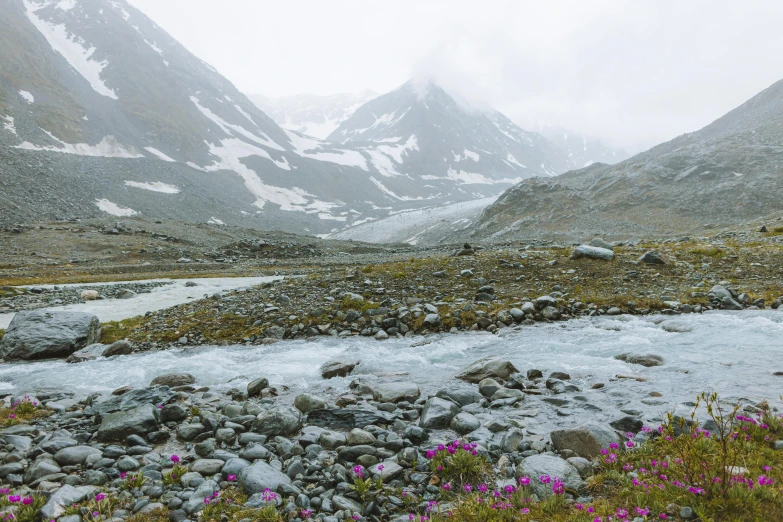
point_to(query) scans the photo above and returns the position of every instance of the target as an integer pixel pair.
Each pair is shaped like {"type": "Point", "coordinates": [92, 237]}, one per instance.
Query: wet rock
{"type": "Point", "coordinates": [489, 367]}
{"type": "Point", "coordinates": [337, 368]}
{"type": "Point", "coordinates": [627, 424]}
{"type": "Point", "coordinates": [255, 386]}
{"type": "Point", "coordinates": [649, 360]}
{"type": "Point", "coordinates": [156, 395]}
{"type": "Point", "coordinates": [278, 421]}
{"type": "Point", "coordinates": [173, 379]}
{"type": "Point", "coordinates": [88, 353]}
{"type": "Point", "coordinates": [396, 391]}
{"type": "Point", "coordinates": [307, 403]}
{"type": "Point", "coordinates": [345, 419]}
{"type": "Point", "coordinates": [118, 348]}
{"type": "Point", "coordinates": [460, 396]}
{"type": "Point", "coordinates": [585, 440]}
{"type": "Point", "coordinates": [40, 334]}
{"type": "Point", "coordinates": [437, 413]}
{"type": "Point", "coordinates": [135, 421]}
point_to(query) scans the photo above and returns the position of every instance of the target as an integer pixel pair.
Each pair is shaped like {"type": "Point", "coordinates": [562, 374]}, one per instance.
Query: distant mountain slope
{"type": "Point", "coordinates": [316, 116]}
{"type": "Point", "coordinates": [730, 171]}
{"type": "Point", "coordinates": [452, 141]}
{"type": "Point", "coordinates": [101, 111]}
{"type": "Point", "coordinates": [583, 151]}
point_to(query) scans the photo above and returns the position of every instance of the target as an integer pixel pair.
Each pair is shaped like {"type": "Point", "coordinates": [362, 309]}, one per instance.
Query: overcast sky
{"type": "Point", "coordinates": [634, 73]}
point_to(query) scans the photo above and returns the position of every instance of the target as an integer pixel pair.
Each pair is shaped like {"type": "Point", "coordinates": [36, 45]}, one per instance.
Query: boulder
{"type": "Point", "coordinates": [89, 295]}
{"type": "Point", "coordinates": [260, 476]}
{"type": "Point", "coordinates": [396, 392]}
{"type": "Point", "coordinates": [555, 467]}
{"type": "Point", "coordinates": [65, 497]}
{"type": "Point", "coordinates": [307, 403]}
{"type": "Point", "coordinates": [278, 421]}
{"type": "Point", "coordinates": [464, 423]}
{"type": "Point", "coordinates": [40, 334]}
{"type": "Point", "coordinates": [585, 440]}
{"type": "Point", "coordinates": [118, 348]}
{"type": "Point", "coordinates": [592, 252]}
{"type": "Point", "coordinates": [600, 243]}
{"type": "Point", "coordinates": [124, 293]}
{"type": "Point", "coordinates": [135, 421]}
{"type": "Point", "coordinates": [653, 257]}
{"type": "Point", "coordinates": [337, 368]}
{"type": "Point", "coordinates": [255, 386]}
{"type": "Point", "coordinates": [88, 353]}
{"type": "Point", "coordinates": [207, 467]}
{"type": "Point", "coordinates": [489, 367]}
{"type": "Point", "coordinates": [75, 455]}
{"type": "Point", "coordinates": [437, 413]}
{"type": "Point", "coordinates": [648, 360]}
{"type": "Point", "coordinates": [173, 379]}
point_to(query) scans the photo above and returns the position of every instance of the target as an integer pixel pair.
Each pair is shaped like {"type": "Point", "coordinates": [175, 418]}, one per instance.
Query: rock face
{"type": "Point", "coordinates": [489, 367]}
{"type": "Point", "coordinates": [585, 440]}
{"type": "Point", "coordinates": [260, 476]}
{"type": "Point", "coordinates": [135, 421]}
{"type": "Point", "coordinates": [592, 252]}
{"type": "Point", "coordinates": [42, 335]}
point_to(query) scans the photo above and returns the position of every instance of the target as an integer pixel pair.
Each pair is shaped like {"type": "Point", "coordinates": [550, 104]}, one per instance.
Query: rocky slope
{"type": "Point", "coordinates": [101, 111]}
{"type": "Point", "coordinates": [723, 174]}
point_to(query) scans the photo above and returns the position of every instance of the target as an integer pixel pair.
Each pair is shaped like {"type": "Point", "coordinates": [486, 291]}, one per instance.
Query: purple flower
{"type": "Point", "coordinates": [99, 497]}
{"type": "Point", "coordinates": [13, 499]}
{"type": "Point", "coordinates": [175, 459]}
{"type": "Point", "coordinates": [358, 471]}
{"type": "Point", "coordinates": [524, 481]}
{"type": "Point", "coordinates": [231, 478]}
{"type": "Point", "coordinates": [27, 501]}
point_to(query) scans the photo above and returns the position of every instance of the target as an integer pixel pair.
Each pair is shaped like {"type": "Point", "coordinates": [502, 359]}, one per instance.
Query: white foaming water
{"type": "Point", "coordinates": [733, 353]}
{"type": "Point", "coordinates": [173, 293]}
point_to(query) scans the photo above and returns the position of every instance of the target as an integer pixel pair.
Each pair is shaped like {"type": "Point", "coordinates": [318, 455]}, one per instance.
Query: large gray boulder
{"type": "Point", "coordinates": [396, 392]}
{"type": "Point", "coordinates": [75, 455]}
{"type": "Point", "coordinates": [65, 497]}
{"type": "Point", "coordinates": [585, 440]}
{"type": "Point", "coordinates": [489, 367]}
{"type": "Point", "coordinates": [135, 421]}
{"type": "Point", "coordinates": [437, 413]}
{"type": "Point", "coordinates": [555, 467]}
{"type": "Point", "coordinates": [278, 421]}
{"type": "Point", "coordinates": [40, 334]}
{"type": "Point", "coordinates": [592, 252]}
{"type": "Point", "coordinates": [259, 476]}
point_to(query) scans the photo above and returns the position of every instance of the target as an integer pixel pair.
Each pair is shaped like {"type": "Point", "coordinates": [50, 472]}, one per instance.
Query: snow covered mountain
{"type": "Point", "coordinates": [725, 174]}
{"type": "Point", "coordinates": [101, 111]}
{"type": "Point", "coordinates": [316, 116]}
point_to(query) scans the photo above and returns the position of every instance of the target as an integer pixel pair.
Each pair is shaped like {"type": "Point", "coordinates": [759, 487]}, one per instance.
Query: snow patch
{"type": "Point", "coordinates": [214, 221]}
{"type": "Point", "coordinates": [114, 209]}
{"type": "Point", "coordinates": [154, 47]}
{"type": "Point", "coordinates": [66, 5]}
{"type": "Point", "coordinates": [349, 158]}
{"type": "Point", "coordinates": [72, 48]}
{"type": "Point", "coordinates": [473, 178]}
{"type": "Point", "coordinates": [107, 148]}
{"type": "Point", "coordinates": [8, 125]}
{"type": "Point", "coordinates": [512, 159]}
{"type": "Point", "coordinates": [28, 97]}
{"type": "Point", "coordinates": [466, 155]}
{"type": "Point", "coordinates": [229, 127]}
{"type": "Point", "coordinates": [155, 186]}
{"type": "Point", "coordinates": [159, 154]}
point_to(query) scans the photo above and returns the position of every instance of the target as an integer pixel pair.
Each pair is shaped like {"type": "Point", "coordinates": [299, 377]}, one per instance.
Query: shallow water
{"type": "Point", "coordinates": [734, 353]}
{"type": "Point", "coordinates": [171, 294]}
